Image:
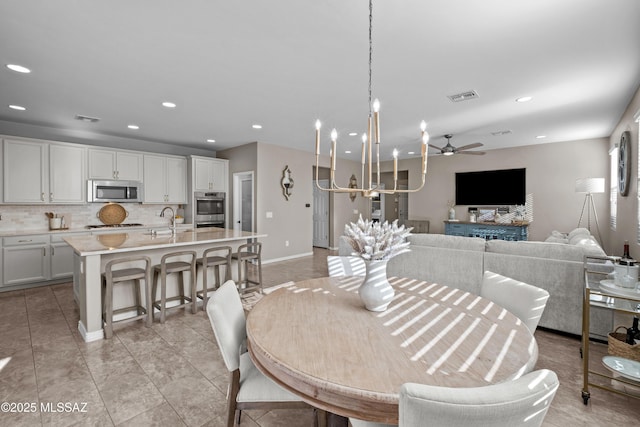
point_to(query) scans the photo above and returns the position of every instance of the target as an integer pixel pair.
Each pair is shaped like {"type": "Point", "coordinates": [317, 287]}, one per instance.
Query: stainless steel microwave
{"type": "Point", "coordinates": [99, 191]}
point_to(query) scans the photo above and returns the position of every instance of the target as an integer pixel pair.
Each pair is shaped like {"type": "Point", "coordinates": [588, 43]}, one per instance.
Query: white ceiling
{"type": "Point", "coordinates": [285, 63]}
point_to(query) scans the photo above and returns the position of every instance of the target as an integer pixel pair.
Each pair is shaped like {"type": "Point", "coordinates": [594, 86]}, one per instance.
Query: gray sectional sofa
{"type": "Point", "coordinates": [461, 261]}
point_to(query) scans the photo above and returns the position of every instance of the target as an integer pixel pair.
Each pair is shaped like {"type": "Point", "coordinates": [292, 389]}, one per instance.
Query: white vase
{"type": "Point", "coordinates": [375, 292]}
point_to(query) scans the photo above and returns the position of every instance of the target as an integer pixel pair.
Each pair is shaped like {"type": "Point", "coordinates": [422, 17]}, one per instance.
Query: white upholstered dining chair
{"type": "Point", "coordinates": [248, 388]}
{"type": "Point", "coordinates": [345, 266]}
{"type": "Point", "coordinates": [526, 301]}
{"type": "Point", "coordinates": [521, 402]}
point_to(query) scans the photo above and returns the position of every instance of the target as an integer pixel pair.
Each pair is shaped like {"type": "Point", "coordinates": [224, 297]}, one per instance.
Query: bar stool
{"type": "Point", "coordinates": [169, 267]}
{"type": "Point", "coordinates": [247, 253]}
{"type": "Point", "coordinates": [111, 277]}
{"type": "Point", "coordinates": [215, 261]}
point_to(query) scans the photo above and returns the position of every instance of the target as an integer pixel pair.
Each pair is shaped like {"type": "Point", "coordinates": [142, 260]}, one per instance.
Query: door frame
{"type": "Point", "coordinates": [238, 177]}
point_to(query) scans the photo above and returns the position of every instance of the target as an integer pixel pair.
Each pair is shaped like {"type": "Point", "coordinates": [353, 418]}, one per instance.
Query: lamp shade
{"type": "Point", "coordinates": [590, 185]}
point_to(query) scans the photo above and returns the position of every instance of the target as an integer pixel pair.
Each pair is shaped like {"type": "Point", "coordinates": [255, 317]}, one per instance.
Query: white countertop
{"type": "Point", "coordinates": [135, 240]}
{"type": "Point", "coordinates": [62, 231]}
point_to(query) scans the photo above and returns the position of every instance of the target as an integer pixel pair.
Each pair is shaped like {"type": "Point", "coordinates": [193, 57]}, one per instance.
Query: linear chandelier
{"type": "Point", "coordinates": [372, 133]}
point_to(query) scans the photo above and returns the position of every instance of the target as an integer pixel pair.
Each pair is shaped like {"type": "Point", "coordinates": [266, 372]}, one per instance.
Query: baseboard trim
{"type": "Point", "coordinates": [288, 257]}
{"type": "Point", "coordinates": [89, 336]}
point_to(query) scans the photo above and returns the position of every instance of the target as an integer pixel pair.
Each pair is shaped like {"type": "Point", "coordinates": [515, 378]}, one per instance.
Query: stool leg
{"type": "Point", "coordinates": [154, 292]}
{"type": "Point", "coordinates": [163, 295]}
{"type": "Point", "coordinates": [108, 300]}
{"type": "Point", "coordinates": [137, 295]}
{"type": "Point", "coordinates": [205, 286]}
{"type": "Point", "coordinates": [148, 298]}
{"type": "Point", "coordinates": [194, 297]}
{"type": "Point", "coordinates": [260, 272]}
{"type": "Point", "coordinates": [216, 271]}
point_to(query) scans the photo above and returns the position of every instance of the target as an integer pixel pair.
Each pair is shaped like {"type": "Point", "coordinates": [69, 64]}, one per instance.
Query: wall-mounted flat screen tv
{"type": "Point", "coordinates": [491, 188]}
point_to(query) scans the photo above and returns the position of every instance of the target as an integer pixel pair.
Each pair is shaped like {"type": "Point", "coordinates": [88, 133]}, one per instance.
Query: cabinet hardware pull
{"type": "Point", "coordinates": [50, 196]}
{"type": "Point", "coordinates": [25, 241]}
{"type": "Point", "coordinates": [44, 251]}
{"type": "Point", "coordinates": [42, 196]}
{"type": "Point", "coordinates": [53, 251]}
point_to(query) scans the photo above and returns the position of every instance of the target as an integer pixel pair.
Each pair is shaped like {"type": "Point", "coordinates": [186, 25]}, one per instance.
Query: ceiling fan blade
{"type": "Point", "coordinates": [474, 145]}
{"type": "Point", "coordinates": [433, 146]}
{"type": "Point", "coordinates": [477, 153]}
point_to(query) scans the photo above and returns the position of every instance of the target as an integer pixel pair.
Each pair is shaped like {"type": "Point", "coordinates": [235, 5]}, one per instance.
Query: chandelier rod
{"type": "Point", "coordinates": [373, 129]}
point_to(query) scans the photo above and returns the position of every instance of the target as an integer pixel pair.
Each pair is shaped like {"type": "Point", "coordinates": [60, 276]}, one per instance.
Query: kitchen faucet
{"type": "Point", "coordinates": [173, 218]}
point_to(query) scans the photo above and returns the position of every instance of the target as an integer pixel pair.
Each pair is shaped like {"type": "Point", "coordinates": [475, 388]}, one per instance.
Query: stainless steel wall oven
{"type": "Point", "coordinates": [209, 209]}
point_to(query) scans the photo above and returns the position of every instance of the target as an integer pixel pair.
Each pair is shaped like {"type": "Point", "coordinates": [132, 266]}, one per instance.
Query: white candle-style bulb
{"type": "Point", "coordinates": [395, 154]}
{"type": "Point", "coordinates": [364, 138]}
{"type": "Point", "coordinates": [376, 105]}
{"type": "Point", "coordinates": [423, 126]}
{"type": "Point", "coordinates": [318, 125]}
{"type": "Point", "coordinates": [334, 135]}
{"type": "Point", "coordinates": [425, 138]}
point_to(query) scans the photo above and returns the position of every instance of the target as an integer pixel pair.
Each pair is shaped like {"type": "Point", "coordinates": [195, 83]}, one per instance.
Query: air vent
{"type": "Point", "coordinates": [87, 118]}
{"type": "Point", "coordinates": [501, 132]}
{"type": "Point", "coordinates": [464, 96]}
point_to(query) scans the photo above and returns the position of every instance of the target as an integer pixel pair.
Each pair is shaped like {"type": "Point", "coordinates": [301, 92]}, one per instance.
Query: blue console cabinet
{"type": "Point", "coordinates": [486, 230]}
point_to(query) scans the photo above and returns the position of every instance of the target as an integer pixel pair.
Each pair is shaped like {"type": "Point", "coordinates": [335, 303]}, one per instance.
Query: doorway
{"type": "Point", "coordinates": [243, 212]}
{"type": "Point", "coordinates": [320, 214]}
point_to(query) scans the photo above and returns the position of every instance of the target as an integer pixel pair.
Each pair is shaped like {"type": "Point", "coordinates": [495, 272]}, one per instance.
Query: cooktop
{"type": "Point", "coordinates": [115, 225]}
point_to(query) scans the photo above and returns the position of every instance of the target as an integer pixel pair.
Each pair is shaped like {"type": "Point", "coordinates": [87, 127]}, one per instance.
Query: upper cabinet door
{"type": "Point", "coordinates": [176, 180]}
{"type": "Point", "coordinates": [201, 175]}
{"type": "Point", "coordinates": [25, 172]}
{"type": "Point", "coordinates": [102, 164]}
{"type": "Point", "coordinates": [219, 173]}
{"type": "Point", "coordinates": [110, 164]}
{"type": "Point", "coordinates": [154, 179]}
{"type": "Point", "coordinates": [67, 177]}
{"type": "Point", "coordinates": [129, 166]}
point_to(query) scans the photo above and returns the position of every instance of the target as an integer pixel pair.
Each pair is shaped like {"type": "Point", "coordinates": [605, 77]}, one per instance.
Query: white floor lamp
{"type": "Point", "coordinates": [590, 186]}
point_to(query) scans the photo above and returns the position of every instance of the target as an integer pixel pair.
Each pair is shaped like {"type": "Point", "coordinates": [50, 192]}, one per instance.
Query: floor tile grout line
{"type": "Point", "coordinates": [84, 360]}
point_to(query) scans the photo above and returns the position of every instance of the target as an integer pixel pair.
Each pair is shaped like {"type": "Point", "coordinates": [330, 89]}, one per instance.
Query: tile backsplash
{"type": "Point", "coordinates": [16, 218]}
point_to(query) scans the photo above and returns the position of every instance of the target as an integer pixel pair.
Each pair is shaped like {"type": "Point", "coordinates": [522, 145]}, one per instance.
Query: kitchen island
{"type": "Point", "coordinates": [91, 254]}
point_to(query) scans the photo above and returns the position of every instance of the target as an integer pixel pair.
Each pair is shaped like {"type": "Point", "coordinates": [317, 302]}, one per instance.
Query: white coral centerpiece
{"type": "Point", "coordinates": [373, 241]}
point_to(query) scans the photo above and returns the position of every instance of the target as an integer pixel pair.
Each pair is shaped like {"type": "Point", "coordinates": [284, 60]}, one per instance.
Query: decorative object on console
{"type": "Point", "coordinates": [452, 211]}
{"type": "Point", "coordinates": [624, 163]}
{"type": "Point", "coordinates": [373, 131]}
{"type": "Point", "coordinates": [376, 243]}
{"type": "Point", "coordinates": [286, 182]}
{"type": "Point", "coordinates": [590, 186]}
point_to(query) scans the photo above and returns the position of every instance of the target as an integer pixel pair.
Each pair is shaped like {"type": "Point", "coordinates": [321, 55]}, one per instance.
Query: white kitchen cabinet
{"type": "Point", "coordinates": [67, 174]}
{"type": "Point", "coordinates": [41, 172]}
{"type": "Point", "coordinates": [209, 174]}
{"type": "Point", "coordinates": [25, 259]}
{"type": "Point", "coordinates": [36, 258]}
{"type": "Point", "coordinates": [112, 164]}
{"type": "Point", "coordinates": [61, 256]}
{"type": "Point", "coordinates": [165, 179]}
{"type": "Point", "coordinates": [26, 168]}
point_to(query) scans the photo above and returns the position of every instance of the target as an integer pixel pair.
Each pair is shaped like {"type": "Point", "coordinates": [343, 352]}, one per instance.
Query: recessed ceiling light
{"type": "Point", "coordinates": [211, 140]}
{"type": "Point", "coordinates": [347, 151]}
{"type": "Point", "coordinates": [541, 136]}
{"type": "Point", "coordinates": [168, 104]}
{"type": "Point", "coordinates": [18, 68]}
{"type": "Point", "coordinates": [524, 99]}
{"type": "Point", "coordinates": [411, 152]}
{"type": "Point", "coordinates": [256, 126]}
{"type": "Point", "coordinates": [353, 133]}
{"type": "Point", "coordinates": [17, 107]}
{"type": "Point", "coordinates": [134, 127]}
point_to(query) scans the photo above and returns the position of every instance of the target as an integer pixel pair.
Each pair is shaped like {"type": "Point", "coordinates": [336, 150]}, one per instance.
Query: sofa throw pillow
{"type": "Point", "coordinates": [588, 244]}
{"type": "Point", "coordinates": [556, 239]}
{"type": "Point", "coordinates": [578, 231]}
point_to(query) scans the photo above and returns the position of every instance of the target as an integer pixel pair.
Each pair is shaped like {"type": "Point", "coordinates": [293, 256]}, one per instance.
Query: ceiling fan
{"type": "Point", "coordinates": [450, 150]}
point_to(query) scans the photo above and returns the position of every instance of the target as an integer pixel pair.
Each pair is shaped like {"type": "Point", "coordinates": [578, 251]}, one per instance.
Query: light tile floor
{"type": "Point", "coordinates": [173, 374]}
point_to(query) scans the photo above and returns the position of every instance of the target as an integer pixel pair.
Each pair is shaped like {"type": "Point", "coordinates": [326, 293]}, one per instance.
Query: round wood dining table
{"type": "Point", "coordinates": [316, 339]}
